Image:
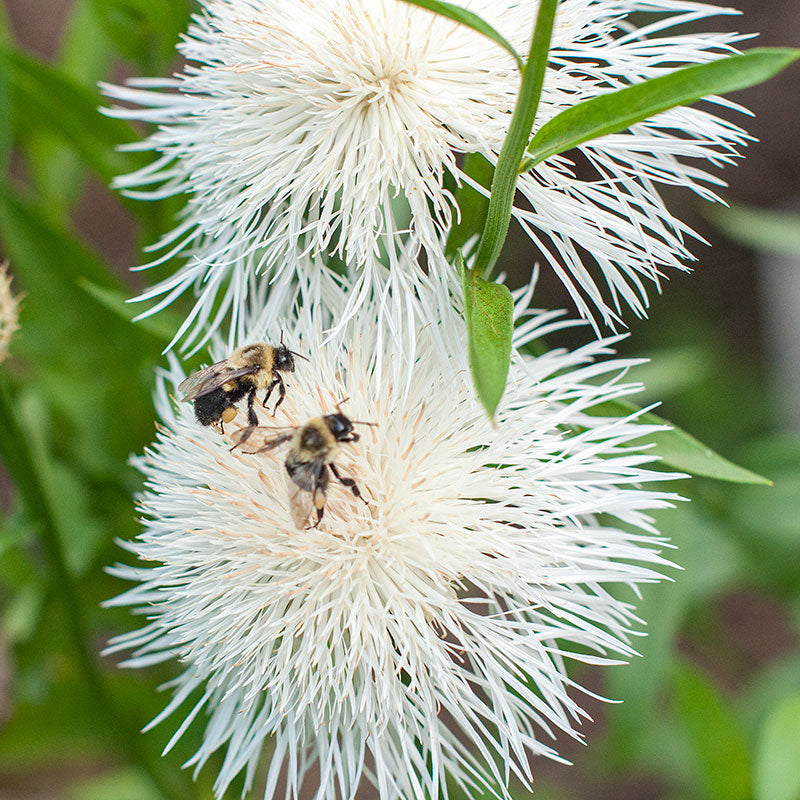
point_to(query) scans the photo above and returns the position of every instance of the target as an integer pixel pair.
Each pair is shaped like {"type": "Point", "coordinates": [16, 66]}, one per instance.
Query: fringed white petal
{"type": "Point", "coordinates": [336, 127]}
{"type": "Point", "coordinates": [423, 634]}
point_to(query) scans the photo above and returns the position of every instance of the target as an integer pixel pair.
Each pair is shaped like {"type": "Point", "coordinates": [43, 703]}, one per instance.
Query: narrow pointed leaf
{"type": "Point", "coordinates": [618, 110]}
{"type": "Point", "coordinates": [471, 20]}
{"type": "Point", "coordinates": [488, 310]}
{"type": "Point", "coordinates": [53, 102]}
{"type": "Point", "coordinates": [6, 141]}
{"type": "Point", "coordinates": [777, 770]}
{"type": "Point", "coordinates": [56, 256]}
{"type": "Point", "coordinates": [721, 758]}
{"type": "Point", "coordinates": [680, 450]}
{"type": "Point", "coordinates": [85, 57]}
{"type": "Point", "coordinates": [144, 31]}
{"type": "Point", "coordinates": [162, 326]}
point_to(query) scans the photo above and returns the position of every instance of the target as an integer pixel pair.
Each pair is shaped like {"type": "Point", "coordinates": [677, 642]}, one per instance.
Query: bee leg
{"type": "Point", "coordinates": [281, 392]}
{"type": "Point", "coordinates": [269, 392]}
{"type": "Point", "coordinates": [244, 437]}
{"type": "Point", "coordinates": [349, 482]}
{"type": "Point", "coordinates": [251, 412]}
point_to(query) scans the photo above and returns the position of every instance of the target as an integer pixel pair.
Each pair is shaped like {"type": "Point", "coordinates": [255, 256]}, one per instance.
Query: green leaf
{"type": "Point", "coordinates": [671, 371]}
{"type": "Point", "coordinates": [768, 690]}
{"type": "Point", "coordinates": [6, 139]}
{"type": "Point", "coordinates": [683, 451]}
{"type": "Point", "coordinates": [81, 531]}
{"type": "Point", "coordinates": [85, 57]}
{"type": "Point", "coordinates": [712, 564]}
{"type": "Point", "coordinates": [124, 784]}
{"type": "Point", "coordinates": [44, 97]}
{"type": "Point", "coordinates": [618, 110]}
{"type": "Point", "coordinates": [144, 31]}
{"type": "Point", "coordinates": [767, 523]}
{"type": "Point", "coordinates": [680, 450]}
{"type": "Point", "coordinates": [774, 516]}
{"type": "Point", "coordinates": [469, 19]}
{"type": "Point", "coordinates": [52, 491]}
{"type": "Point", "coordinates": [86, 54]}
{"type": "Point", "coordinates": [52, 255]}
{"type": "Point", "coordinates": [488, 310]}
{"type": "Point", "coordinates": [504, 184]}
{"type": "Point", "coordinates": [14, 533]}
{"type": "Point", "coordinates": [718, 741]}
{"type": "Point", "coordinates": [760, 228]}
{"type": "Point", "coordinates": [777, 768]}
{"type": "Point", "coordinates": [162, 325]}
{"type": "Point", "coordinates": [56, 730]}
{"type": "Point", "coordinates": [21, 614]}
{"type": "Point", "coordinates": [87, 362]}
{"type": "Point", "coordinates": [27, 471]}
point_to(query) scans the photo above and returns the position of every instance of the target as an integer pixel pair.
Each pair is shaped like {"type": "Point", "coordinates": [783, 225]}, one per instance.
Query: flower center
{"type": "Point", "coordinates": [380, 87]}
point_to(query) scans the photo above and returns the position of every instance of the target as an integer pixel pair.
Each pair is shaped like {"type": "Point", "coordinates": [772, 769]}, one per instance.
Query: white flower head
{"type": "Point", "coordinates": [338, 126]}
{"type": "Point", "coordinates": [425, 632]}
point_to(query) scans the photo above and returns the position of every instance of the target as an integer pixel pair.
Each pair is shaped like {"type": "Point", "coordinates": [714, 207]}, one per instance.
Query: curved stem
{"type": "Point", "coordinates": [504, 184]}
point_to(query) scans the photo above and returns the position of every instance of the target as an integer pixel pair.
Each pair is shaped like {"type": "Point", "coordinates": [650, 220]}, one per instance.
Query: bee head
{"type": "Point", "coordinates": [284, 359]}
{"type": "Point", "coordinates": [339, 425]}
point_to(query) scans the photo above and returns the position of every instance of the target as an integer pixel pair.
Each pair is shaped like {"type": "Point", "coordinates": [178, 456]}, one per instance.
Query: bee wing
{"type": "Point", "coordinates": [301, 505]}
{"type": "Point", "coordinates": [260, 438]}
{"type": "Point", "coordinates": [211, 377]}
{"type": "Point", "coordinates": [306, 487]}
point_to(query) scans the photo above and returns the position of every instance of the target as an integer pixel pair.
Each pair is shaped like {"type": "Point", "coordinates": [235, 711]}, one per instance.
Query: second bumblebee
{"type": "Point", "coordinates": [314, 448]}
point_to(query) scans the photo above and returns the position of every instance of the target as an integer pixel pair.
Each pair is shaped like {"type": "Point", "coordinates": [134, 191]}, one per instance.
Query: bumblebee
{"type": "Point", "coordinates": [216, 389]}
{"type": "Point", "coordinates": [313, 450]}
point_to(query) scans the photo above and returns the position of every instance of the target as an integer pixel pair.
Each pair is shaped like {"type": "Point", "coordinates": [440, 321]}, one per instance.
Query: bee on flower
{"type": "Point", "coordinates": [417, 636]}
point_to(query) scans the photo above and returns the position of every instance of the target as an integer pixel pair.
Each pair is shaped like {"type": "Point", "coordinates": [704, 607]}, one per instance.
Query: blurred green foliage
{"type": "Point", "coordinates": [702, 717]}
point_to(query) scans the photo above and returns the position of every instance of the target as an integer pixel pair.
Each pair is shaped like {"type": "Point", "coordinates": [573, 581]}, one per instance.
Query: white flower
{"type": "Point", "coordinates": [426, 632]}
{"type": "Point", "coordinates": [336, 126]}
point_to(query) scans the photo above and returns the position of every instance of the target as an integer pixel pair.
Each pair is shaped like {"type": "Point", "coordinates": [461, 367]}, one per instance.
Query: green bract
{"type": "Point", "coordinates": [488, 310]}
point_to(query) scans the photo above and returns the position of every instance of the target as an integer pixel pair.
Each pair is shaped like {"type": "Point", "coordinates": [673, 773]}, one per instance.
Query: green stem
{"type": "Point", "coordinates": [19, 462]}
{"type": "Point", "coordinates": [504, 184]}
{"type": "Point", "coordinates": [472, 204]}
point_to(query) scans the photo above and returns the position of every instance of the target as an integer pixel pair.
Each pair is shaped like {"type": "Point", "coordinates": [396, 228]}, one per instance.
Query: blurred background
{"type": "Point", "coordinates": [711, 710]}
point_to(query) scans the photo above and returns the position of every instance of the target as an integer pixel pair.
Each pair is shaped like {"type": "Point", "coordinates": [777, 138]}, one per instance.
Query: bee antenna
{"type": "Point", "coordinates": [281, 336]}
{"type": "Point", "coordinates": [364, 422]}
{"type": "Point", "coordinates": [340, 404]}
{"type": "Point", "coordinates": [305, 358]}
